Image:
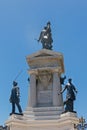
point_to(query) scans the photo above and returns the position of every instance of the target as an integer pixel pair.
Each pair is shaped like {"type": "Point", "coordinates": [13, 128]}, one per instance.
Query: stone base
{"type": "Point", "coordinates": [43, 113]}
{"type": "Point", "coordinates": [63, 121]}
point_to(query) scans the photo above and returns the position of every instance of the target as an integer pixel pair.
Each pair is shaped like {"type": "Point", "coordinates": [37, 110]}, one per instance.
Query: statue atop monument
{"type": "Point", "coordinates": [15, 98]}
{"type": "Point", "coordinates": [70, 96]}
{"type": "Point", "coordinates": [46, 37]}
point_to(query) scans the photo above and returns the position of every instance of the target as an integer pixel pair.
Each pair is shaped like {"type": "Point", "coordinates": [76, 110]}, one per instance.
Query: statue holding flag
{"type": "Point", "coordinates": [46, 37]}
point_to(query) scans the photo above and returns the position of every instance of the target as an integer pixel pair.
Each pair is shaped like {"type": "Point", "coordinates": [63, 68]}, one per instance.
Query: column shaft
{"type": "Point", "coordinates": [32, 91]}
{"type": "Point", "coordinates": [57, 99]}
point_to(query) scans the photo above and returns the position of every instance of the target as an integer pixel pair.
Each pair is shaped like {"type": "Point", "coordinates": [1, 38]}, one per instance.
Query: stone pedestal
{"type": "Point", "coordinates": [45, 107]}
{"type": "Point", "coordinates": [64, 122]}
{"type": "Point", "coordinates": [45, 69]}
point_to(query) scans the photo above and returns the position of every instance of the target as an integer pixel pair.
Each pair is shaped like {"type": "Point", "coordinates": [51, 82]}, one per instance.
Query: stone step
{"type": "Point", "coordinates": [50, 117]}
{"type": "Point", "coordinates": [41, 109]}
{"type": "Point", "coordinates": [42, 113]}
{"type": "Point", "coordinates": [46, 117]}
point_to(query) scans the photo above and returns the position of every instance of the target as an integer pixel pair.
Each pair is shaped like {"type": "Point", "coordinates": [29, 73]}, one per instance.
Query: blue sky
{"type": "Point", "coordinates": [20, 23]}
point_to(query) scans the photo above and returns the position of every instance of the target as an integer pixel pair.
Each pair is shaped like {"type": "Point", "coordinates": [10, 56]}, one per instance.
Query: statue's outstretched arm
{"type": "Point", "coordinates": [62, 90]}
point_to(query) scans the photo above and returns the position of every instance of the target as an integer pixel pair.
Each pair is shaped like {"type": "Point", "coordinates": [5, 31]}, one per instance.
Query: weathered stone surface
{"type": "Point", "coordinates": [46, 58]}
{"type": "Point", "coordinates": [63, 122]}
{"type": "Point", "coordinates": [47, 66]}
{"type": "Point", "coordinates": [45, 106]}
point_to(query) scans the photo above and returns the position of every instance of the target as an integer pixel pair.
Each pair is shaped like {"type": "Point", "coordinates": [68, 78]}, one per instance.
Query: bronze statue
{"type": "Point", "coordinates": [15, 98]}
{"type": "Point", "coordinates": [46, 37]}
{"type": "Point", "coordinates": [70, 96]}
{"type": "Point", "coordinates": [4, 128]}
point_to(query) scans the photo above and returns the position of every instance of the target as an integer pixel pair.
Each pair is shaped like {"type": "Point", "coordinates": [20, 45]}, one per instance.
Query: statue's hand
{"type": "Point", "coordinates": [76, 91]}
{"type": "Point", "coordinates": [59, 93]}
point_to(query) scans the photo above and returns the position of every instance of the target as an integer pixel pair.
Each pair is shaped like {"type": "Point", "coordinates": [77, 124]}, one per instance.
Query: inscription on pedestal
{"type": "Point", "coordinates": [44, 97]}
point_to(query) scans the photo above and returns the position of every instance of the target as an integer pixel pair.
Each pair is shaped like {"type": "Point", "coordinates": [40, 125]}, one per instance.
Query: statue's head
{"type": "Point", "coordinates": [70, 80]}
{"type": "Point", "coordinates": [15, 83]}
{"type": "Point", "coordinates": [48, 23]}
{"type": "Point", "coordinates": [45, 27]}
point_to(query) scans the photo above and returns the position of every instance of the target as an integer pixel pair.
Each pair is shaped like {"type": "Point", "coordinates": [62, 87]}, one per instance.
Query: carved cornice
{"type": "Point", "coordinates": [49, 69]}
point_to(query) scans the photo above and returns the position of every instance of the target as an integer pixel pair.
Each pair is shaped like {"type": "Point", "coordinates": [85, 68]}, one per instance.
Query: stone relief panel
{"type": "Point", "coordinates": [44, 88]}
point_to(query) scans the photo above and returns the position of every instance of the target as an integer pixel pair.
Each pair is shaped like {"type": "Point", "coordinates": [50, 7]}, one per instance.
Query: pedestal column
{"type": "Point", "coordinates": [32, 91]}
{"type": "Point", "coordinates": [57, 99]}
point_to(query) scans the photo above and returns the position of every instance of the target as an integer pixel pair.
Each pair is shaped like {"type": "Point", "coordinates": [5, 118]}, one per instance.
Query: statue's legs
{"type": "Point", "coordinates": [19, 107]}
{"type": "Point", "coordinates": [44, 46]}
{"type": "Point", "coordinates": [47, 46]}
{"type": "Point", "coordinates": [69, 105]}
{"type": "Point", "coordinates": [13, 107]}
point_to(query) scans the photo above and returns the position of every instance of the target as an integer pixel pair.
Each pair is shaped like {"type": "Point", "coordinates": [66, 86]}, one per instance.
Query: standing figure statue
{"type": "Point", "coordinates": [46, 37]}
{"type": "Point", "coordinates": [15, 98]}
{"type": "Point", "coordinates": [70, 96]}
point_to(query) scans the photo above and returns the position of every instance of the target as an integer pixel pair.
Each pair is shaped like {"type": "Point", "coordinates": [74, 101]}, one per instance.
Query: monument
{"type": "Point", "coordinates": [45, 108]}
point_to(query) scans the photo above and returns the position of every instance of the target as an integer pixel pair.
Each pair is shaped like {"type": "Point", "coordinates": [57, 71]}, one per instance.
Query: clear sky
{"type": "Point", "coordinates": [20, 23]}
